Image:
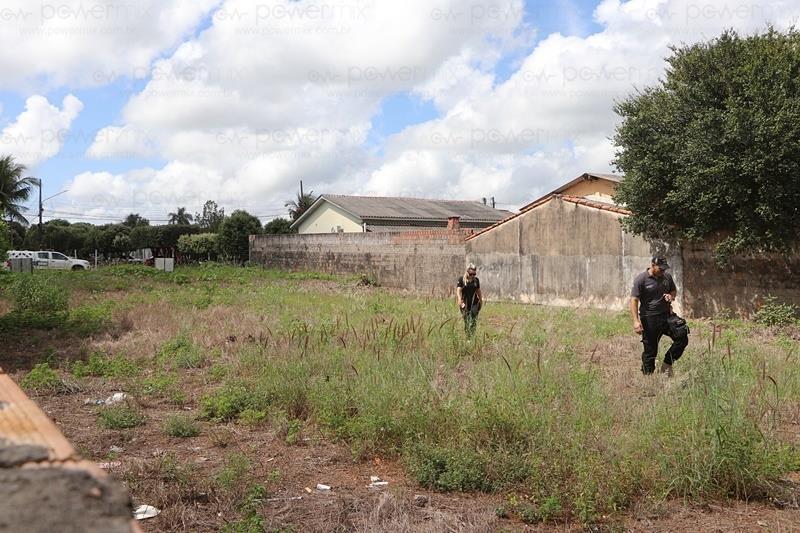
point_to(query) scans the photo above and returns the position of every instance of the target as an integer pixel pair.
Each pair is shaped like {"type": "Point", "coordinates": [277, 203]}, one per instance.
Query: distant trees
{"type": "Point", "coordinates": [234, 235]}
{"type": "Point", "coordinates": [15, 188]}
{"type": "Point", "coordinates": [135, 219]}
{"type": "Point", "coordinates": [211, 217]}
{"type": "Point", "coordinates": [180, 217]}
{"type": "Point", "coordinates": [300, 204]}
{"type": "Point", "coordinates": [5, 240]}
{"type": "Point", "coordinates": [199, 246]}
{"type": "Point", "coordinates": [278, 226]}
{"type": "Point", "coordinates": [714, 149]}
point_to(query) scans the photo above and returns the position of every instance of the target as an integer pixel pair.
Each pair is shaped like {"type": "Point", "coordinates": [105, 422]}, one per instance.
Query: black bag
{"type": "Point", "coordinates": [677, 326]}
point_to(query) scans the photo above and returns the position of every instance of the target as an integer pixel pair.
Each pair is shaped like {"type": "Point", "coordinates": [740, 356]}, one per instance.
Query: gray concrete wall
{"type": "Point", "coordinates": [427, 261]}
{"type": "Point", "coordinates": [564, 254]}
{"type": "Point", "coordinates": [741, 287]}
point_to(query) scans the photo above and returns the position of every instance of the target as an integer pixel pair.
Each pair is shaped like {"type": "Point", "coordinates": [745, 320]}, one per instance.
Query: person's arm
{"type": "Point", "coordinates": [459, 297]}
{"type": "Point", "coordinates": [478, 295]}
{"type": "Point", "coordinates": [637, 324]}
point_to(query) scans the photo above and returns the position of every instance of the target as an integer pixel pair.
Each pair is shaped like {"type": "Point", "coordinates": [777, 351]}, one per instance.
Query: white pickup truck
{"type": "Point", "coordinates": [49, 260]}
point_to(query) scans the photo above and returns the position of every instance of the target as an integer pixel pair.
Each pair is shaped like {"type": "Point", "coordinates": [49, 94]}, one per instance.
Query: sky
{"type": "Point", "coordinates": [144, 106]}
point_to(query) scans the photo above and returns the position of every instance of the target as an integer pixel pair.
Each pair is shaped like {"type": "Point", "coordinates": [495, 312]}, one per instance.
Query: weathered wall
{"type": "Point", "coordinates": [741, 287]}
{"type": "Point", "coordinates": [565, 254]}
{"type": "Point", "coordinates": [424, 260]}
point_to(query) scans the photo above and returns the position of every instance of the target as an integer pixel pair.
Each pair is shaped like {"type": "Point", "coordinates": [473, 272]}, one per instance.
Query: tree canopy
{"type": "Point", "coordinates": [234, 235]}
{"type": "Point", "coordinates": [211, 217]}
{"type": "Point", "coordinates": [15, 188]}
{"type": "Point", "coordinates": [180, 217]}
{"type": "Point", "coordinates": [300, 204]}
{"type": "Point", "coordinates": [278, 226]}
{"type": "Point", "coordinates": [713, 151]}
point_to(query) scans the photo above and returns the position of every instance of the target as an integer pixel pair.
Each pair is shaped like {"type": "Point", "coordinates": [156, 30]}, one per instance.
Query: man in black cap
{"type": "Point", "coordinates": [651, 305]}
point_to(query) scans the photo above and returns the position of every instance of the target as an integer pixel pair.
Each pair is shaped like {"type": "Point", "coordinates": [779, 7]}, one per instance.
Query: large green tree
{"type": "Point", "coordinates": [234, 235]}
{"type": "Point", "coordinates": [713, 151]}
{"type": "Point", "coordinates": [15, 188]}
{"type": "Point", "coordinates": [211, 217]}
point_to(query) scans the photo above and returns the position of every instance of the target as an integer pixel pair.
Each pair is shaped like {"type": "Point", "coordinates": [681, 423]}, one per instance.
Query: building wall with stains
{"type": "Point", "coordinates": [565, 254]}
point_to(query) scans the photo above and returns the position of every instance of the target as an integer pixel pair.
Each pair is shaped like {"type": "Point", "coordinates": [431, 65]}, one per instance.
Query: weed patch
{"type": "Point", "coordinates": [41, 379]}
{"type": "Point", "coordinates": [181, 426]}
{"type": "Point", "coordinates": [120, 417]}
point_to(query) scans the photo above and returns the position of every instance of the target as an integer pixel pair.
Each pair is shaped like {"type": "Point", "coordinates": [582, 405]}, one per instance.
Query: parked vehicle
{"type": "Point", "coordinates": [48, 260]}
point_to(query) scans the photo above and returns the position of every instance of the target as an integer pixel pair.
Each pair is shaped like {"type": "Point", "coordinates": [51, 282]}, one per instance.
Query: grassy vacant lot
{"type": "Point", "coordinates": [246, 386]}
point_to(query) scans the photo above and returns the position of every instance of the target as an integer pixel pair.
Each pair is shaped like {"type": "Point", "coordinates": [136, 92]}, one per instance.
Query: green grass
{"type": "Point", "coordinates": [520, 410]}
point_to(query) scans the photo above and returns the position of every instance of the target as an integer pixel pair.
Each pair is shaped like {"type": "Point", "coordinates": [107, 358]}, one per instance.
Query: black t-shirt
{"type": "Point", "coordinates": [650, 291]}
{"type": "Point", "coordinates": [468, 289]}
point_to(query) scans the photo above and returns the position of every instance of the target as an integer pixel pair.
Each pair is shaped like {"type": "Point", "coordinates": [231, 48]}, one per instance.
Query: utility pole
{"type": "Point", "coordinates": [301, 190]}
{"type": "Point", "coordinates": [40, 213]}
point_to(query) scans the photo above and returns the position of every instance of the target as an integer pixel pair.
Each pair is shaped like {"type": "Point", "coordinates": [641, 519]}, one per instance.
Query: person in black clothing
{"type": "Point", "coordinates": [652, 295]}
{"type": "Point", "coordinates": [468, 293]}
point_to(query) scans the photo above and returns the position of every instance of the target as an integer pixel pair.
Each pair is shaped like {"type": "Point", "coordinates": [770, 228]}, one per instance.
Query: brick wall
{"type": "Point", "coordinates": [425, 260]}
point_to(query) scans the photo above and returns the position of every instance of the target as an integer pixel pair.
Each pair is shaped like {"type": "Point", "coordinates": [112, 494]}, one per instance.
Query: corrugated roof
{"type": "Point", "coordinates": [389, 207]}
{"type": "Point", "coordinates": [574, 199]}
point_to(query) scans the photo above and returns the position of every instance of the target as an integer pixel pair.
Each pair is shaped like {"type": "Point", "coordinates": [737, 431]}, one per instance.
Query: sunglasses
{"type": "Point", "coordinates": [471, 272]}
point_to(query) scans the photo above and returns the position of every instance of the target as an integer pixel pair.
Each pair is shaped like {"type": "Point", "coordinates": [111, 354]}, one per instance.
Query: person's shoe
{"type": "Point", "coordinates": [666, 369]}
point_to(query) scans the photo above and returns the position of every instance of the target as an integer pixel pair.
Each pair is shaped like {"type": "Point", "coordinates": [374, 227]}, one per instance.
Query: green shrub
{"type": "Point", "coordinates": [252, 417]}
{"type": "Point", "coordinates": [89, 319]}
{"type": "Point", "coordinates": [39, 302]}
{"type": "Point", "coordinates": [181, 426]}
{"type": "Point", "coordinates": [448, 469]}
{"type": "Point", "coordinates": [120, 417]}
{"type": "Point", "coordinates": [39, 295]}
{"type": "Point", "coordinates": [42, 378]}
{"type": "Point", "coordinates": [226, 403]}
{"type": "Point", "coordinates": [775, 313]}
{"type": "Point", "coordinates": [102, 365]}
{"type": "Point", "coordinates": [180, 352]}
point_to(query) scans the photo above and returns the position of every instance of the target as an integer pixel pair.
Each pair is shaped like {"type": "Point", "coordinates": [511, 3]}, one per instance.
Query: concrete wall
{"type": "Point", "coordinates": [326, 217]}
{"type": "Point", "coordinates": [425, 260]}
{"type": "Point", "coordinates": [741, 287]}
{"type": "Point", "coordinates": [564, 254]}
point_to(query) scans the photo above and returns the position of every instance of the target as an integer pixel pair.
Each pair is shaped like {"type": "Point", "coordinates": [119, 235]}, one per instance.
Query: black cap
{"type": "Point", "coordinates": [660, 261]}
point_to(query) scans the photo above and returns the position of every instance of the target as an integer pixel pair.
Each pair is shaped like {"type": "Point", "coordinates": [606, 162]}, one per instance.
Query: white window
{"type": "Point", "coordinates": [43, 255]}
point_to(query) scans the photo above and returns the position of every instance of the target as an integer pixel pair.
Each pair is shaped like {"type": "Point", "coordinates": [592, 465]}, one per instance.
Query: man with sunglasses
{"type": "Point", "coordinates": [468, 293]}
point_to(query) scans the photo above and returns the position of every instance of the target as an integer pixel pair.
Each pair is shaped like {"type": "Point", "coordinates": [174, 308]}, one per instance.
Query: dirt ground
{"type": "Point", "coordinates": [292, 473]}
{"type": "Point", "coordinates": [175, 474]}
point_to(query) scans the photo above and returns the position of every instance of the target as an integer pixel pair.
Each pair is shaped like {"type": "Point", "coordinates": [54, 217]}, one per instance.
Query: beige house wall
{"type": "Point", "coordinates": [599, 188]}
{"type": "Point", "coordinates": [326, 218]}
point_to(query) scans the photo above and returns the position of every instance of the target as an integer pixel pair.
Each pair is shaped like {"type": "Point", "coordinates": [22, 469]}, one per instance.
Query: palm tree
{"type": "Point", "coordinates": [180, 217]}
{"type": "Point", "coordinates": [14, 189]}
{"type": "Point", "coordinates": [300, 204]}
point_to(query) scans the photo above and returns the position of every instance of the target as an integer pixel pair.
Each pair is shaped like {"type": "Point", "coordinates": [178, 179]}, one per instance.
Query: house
{"type": "Point", "coordinates": [589, 185]}
{"type": "Point", "coordinates": [334, 213]}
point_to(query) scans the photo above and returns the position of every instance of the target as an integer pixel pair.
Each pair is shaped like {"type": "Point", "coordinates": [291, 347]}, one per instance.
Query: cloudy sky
{"type": "Point", "coordinates": [146, 105]}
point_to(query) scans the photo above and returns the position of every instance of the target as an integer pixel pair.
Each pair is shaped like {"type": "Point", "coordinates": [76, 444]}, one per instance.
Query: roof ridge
{"type": "Point", "coordinates": [405, 198]}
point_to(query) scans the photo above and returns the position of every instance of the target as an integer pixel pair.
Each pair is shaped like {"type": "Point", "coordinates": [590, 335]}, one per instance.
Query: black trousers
{"type": "Point", "coordinates": [654, 327]}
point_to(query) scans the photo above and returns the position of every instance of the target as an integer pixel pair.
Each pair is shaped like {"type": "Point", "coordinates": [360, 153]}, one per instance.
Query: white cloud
{"type": "Point", "coordinates": [39, 132]}
{"type": "Point", "coordinates": [283, 91]}
{"type": "Point", "coordinates": [86, 42]}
